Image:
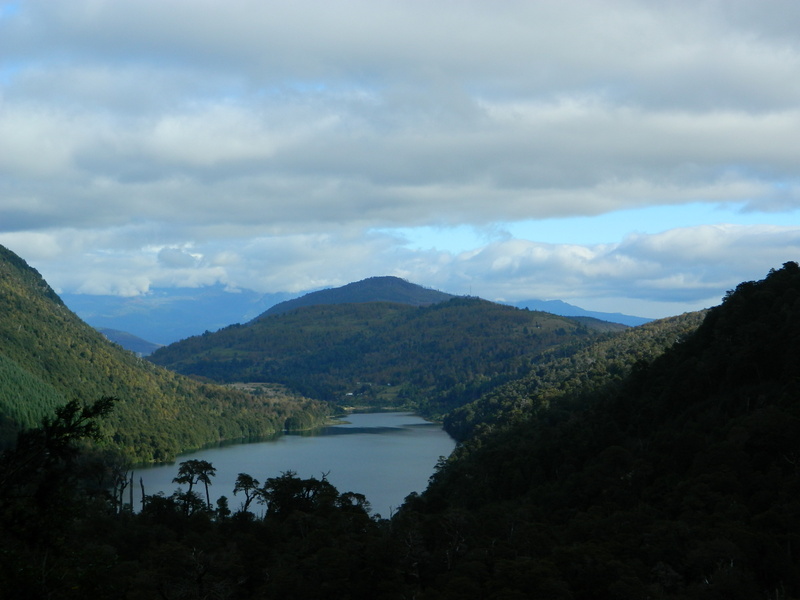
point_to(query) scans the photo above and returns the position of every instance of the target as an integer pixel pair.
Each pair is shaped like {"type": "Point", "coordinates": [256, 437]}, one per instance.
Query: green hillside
{"type": "Point", "coordinates": [555, 376]}
{"type": "Point", "coordinates": [432, 358]}
{"type": "Point", "coordinates": [48, 356]}
{"type": "Point", "coordinates": [679, 480]}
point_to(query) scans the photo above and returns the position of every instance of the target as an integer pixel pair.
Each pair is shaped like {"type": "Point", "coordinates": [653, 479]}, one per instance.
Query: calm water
{"type": "Point", "coordinates": [384, 456]}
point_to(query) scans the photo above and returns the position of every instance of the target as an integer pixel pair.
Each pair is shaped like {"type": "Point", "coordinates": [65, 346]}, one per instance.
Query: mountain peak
{"type": "Point", "coordinates": [385, 288]}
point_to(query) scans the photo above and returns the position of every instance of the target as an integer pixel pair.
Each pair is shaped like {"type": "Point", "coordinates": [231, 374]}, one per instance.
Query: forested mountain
{"type": "Point", "coordinates": [372, 289]}
{"type": "Point", "coordinates": [555, 376]}
{"type": "Point", "coordinates": [679, 480]}
{"type": "Point", "coordinates": [49, 356]}
{"type": "Point", "coordinates": [431, 357]}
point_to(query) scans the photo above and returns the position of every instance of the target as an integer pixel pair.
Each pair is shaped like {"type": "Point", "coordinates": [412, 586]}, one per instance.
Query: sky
{"type": "Point", "coordinates": [628, 155]}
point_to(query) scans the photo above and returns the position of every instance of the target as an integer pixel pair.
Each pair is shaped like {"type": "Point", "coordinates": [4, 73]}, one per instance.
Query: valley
{"type": "Point", "coordinates": [594, 460]}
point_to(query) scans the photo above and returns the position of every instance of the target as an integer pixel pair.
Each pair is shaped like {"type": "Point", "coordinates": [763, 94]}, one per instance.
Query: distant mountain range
{"type": "Point", "coordinates": [129, 341]}
{"type": "Point", "coordinates": [167, 315]}
{"type": "Point", "coordinates": [557, 307]}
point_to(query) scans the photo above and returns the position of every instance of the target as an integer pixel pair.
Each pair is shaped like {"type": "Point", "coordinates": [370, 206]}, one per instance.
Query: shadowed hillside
{"type": "Point", "coordinates": [679, 481]}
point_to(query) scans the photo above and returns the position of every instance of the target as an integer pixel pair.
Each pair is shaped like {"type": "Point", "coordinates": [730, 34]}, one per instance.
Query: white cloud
{"type": "Point", "coordinates": [264, 144]}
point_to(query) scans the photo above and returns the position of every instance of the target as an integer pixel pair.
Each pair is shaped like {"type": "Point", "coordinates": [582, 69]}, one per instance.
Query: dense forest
{"type": "Point", "coordinates": [431, 358]}
{"type": "Point", "coordinates": [48, 356]}
{"type": "Point", "coordinates": [676, 477]}
{"type": "Point", "coordinates": [556, 375]}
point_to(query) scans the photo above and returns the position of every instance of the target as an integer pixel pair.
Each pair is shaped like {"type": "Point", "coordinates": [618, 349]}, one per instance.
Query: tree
{"type": "Point", "coordinates": [52, 444]}
{"type": "Point", "coordinates": [249, 486]}
{"type": "Point", "coordinates": [288, 493]}
{"type": "Point", "coordinates": [196, 471]}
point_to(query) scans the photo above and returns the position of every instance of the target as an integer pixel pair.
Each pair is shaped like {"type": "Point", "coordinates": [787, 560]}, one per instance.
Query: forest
{"type": "Point", "coordinates": [429, 358]}
{"type": "Point", "coordinates": [49, 356]}
{"type": "Point", "coordinates": [664, 474]}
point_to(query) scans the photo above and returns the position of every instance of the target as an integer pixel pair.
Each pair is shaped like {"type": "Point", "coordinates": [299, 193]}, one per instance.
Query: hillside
{"type": "Point", "coordinates": [432, 358]}
{"type": "Point", "coordinates": [676, 481]}
{"type": "Point", "coordinates": [49, 356]}
{"type": "Point", "coordinates": [554, 376]}
{"type": "Point", "coordinates": [372, 289]}
{"type": "Point", "coordinates": [680, 481]}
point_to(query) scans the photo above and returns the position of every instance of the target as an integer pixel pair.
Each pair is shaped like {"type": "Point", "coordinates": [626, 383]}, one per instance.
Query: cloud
{"type": "Point", "coordinates": [267, 144]}
{"type": "Point", "coordinates": [672, 270]}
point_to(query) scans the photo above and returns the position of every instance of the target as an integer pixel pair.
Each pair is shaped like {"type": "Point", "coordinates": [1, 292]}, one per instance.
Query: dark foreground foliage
{"type": "Point", "coordinates": [679, 481]}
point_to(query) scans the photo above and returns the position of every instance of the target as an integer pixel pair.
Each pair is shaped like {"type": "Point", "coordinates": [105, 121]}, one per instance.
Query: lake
{"type": "Point", "coordinates": [385, 456]}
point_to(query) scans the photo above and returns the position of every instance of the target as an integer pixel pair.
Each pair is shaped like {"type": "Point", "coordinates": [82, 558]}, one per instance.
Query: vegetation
{"type": "Point", "coordinates": [681, 481]}
{"type": "Point", "coordinates": [556, 376]}
{"type": "Point", "coordinates": [677, 480]}
{"type": "Point", "coordinates": [433, 358]}
{"type": "Point", "coordinates": [49, 356]}
{"type": "Point", "coordinates": [596, 470]}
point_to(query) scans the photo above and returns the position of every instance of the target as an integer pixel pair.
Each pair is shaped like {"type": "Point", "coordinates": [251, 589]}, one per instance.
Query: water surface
{"type": "Point", "coordinates": [384, 456]}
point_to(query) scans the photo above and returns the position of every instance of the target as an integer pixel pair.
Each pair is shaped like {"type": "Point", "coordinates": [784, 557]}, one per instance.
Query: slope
{"type": "Point", "coordinates": [49, 356]}
{"type": "Point", "coordinates": [376, 353]}
{"type": "Point", "coordinates": [681, 481]}
{"type": "Point", "coordinates": [555, 376]}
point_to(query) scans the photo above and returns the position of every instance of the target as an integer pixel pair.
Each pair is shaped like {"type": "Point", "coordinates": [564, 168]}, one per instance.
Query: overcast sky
{"type": "Point", "coordinates": [633, 156]}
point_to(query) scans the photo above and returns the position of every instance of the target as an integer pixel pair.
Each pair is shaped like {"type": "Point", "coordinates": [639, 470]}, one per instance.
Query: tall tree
{"type": "Point", "coordinates": [249, 486]}
{"type": "Point", "coordinates": [196, 471]}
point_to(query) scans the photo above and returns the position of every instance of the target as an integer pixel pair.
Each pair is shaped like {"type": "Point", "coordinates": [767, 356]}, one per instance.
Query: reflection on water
{"type": "Point", "coordinates": [384, 456]}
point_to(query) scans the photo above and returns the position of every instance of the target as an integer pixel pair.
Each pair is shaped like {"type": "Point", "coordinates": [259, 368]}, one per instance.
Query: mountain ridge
{"type": "Point", "coordinates": [559, 307]}
{"type": "Point", "coordinates": [385, 288]}
{"type": "Point", "coordinates": [383, 354]}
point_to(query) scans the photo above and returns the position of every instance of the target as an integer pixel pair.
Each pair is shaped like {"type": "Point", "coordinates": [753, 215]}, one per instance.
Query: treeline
{"type": "Point", "coordinates": [48, 356]}
{"type": "Point", "coordinates": [433, 358]}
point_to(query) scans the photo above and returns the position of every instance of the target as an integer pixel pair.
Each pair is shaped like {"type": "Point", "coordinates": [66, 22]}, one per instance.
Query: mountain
{"type": "Point", "coordinates": [430, 357]}
{"type": "Point", "coordinates": [50, 356]}
{"type": "Point", "coordinates": [129, 341]}
{"type": "Point", "coordinates": [166, 315]}
{"type": "Point", "coordinates": [558, 307]}
{"type": "Point", "coordinates": [679, 481]}
{"type": "Point", "coordinates": [373, 289]}
{"type": "Point", "coordinates": [556, 376]}
{"type": "Point", "coordinates": [675, 477]}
